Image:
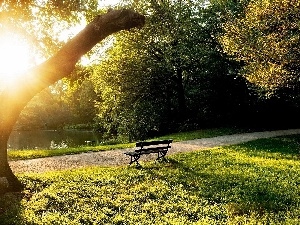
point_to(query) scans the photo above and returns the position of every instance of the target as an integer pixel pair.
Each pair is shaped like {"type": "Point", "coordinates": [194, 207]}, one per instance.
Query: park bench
{"type": "Point", "coordinates": [148, 147]}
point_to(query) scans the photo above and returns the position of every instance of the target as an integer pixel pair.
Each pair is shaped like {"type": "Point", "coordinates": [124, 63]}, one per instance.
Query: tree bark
{"type": "Point", "coordinates": [182, 108]}
{"type": "Point", "coordinates": [14, 98]}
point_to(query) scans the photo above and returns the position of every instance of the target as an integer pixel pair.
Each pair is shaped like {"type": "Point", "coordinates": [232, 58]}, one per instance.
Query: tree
{"type": "Point", "coordinates": [47, 110]}
{"type": "Point", "coordinates": [172, 78]}
{"type": "Point", "coordinates": [150, 85]}
{"type": "Point", "coordinates": [58, 66]}
{"type": "Point", "coordinates": [266, 39]}
{"type": "Point", "coordinates": [80, 98]}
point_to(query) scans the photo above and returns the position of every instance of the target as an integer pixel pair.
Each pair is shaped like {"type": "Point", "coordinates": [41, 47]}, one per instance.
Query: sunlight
{"type": "Point", "coordinates": [105, 3]}
{"type": "Point", "coordinates": [15, 57]}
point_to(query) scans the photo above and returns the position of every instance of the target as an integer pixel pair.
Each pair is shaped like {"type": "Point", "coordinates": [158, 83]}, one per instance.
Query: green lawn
{"type": "Point", "coordinates": [39, 153]}
{"type": "Point", "coordinates": [253, 183]}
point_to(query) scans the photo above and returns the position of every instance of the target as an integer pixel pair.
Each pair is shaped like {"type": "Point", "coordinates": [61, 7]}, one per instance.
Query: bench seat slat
{"type": "Point", "coordinates": [148, 150]}
{"type": "Point", "coordinates": [131, 153]}
{"type": "Point", "coordinates": [159, 148]}
{"type": "Point", "coordinates": [148, 143]}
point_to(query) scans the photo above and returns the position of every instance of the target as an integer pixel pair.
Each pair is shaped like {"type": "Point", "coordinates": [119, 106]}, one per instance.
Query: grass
{"type": "Point", "coordinates": [252, 183]}
{"type": "Point", "coordinates": [40, 153]}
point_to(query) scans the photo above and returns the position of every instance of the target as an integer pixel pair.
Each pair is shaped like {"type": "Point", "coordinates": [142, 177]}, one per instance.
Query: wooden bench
{"type": "Point", "coordinates": [147, 147]}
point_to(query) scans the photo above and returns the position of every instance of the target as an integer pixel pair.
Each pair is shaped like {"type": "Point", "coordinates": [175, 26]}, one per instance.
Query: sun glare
{"type": "Point", "coordinates": [15, 57]}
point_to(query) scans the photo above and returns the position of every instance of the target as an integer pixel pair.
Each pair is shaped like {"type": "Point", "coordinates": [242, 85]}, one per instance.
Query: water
{"type": "Point", "coordinates": [46, 139]}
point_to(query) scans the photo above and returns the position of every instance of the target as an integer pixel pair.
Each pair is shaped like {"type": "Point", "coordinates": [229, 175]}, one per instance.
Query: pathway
{"type": "Point", "coordinates": [117, 157]}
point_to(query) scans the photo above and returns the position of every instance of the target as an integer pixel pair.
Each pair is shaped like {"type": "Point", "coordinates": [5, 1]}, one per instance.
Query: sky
{"type": "Point", "coordinates": [108, 2]}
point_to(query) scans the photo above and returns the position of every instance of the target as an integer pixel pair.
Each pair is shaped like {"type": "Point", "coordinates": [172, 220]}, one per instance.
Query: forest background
{"type": "Point", "coordinates": [195, 64]}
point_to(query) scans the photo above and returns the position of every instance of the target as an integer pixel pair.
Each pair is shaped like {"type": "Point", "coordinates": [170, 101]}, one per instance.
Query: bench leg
{"type": "Point", "coordinates": [134, 158]}
{"type": "Point", "coordinates": [161, 155]}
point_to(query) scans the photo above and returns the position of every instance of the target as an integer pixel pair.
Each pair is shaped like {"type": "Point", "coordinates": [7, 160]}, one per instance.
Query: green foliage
{"type": "Point", "coordinates": [240, 184]}
{"type": "Point", "coordinates": [171, 75]}
{"type": "Point", "coordinates": [47, 110]}
{"type": "Point", "coordinates": [66, 103]}
{"type": "Point", "coordinates": [168, 76]}
{"type": "Point", "coordinates": [266, 39]}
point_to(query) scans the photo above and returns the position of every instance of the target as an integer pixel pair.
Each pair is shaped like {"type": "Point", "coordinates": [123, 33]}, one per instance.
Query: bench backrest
{"type": "Point", "coordinates": [142, 144]}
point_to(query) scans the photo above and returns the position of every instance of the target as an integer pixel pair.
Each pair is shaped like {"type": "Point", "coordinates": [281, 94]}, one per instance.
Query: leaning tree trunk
{"type": "Point", "coordinates": [14, 99]}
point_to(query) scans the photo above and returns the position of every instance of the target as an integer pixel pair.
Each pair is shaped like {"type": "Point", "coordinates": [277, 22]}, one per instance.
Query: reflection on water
{"type": "Point", "coordinates": [46, 139]}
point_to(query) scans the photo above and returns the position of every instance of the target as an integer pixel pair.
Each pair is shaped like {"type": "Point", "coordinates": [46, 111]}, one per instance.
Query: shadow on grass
{"type": "Point", "coordinates": [285, 147]}
{"type": "Point", "coordinates": [10, 208]}
{"type": "Point", "coordinates": [239, 188]}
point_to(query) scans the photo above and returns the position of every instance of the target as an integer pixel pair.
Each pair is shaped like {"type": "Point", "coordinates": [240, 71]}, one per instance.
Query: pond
{"type": "Point", "coordinates": [47, 139]}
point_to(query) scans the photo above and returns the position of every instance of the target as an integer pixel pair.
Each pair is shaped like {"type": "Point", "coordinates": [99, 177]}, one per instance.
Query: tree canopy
{"type": "Point", "coordinates": [180, 72]}
{"type": "Point", "coordinates": [265, 37]}
{"type": "Point", "coordinates": [169, 76]}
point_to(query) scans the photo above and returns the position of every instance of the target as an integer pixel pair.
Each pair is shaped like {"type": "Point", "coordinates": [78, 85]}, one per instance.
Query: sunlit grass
{"type": "Point", "coordinates": [39, 153]}
{"type": "Point", "coordinates": [253, 183]}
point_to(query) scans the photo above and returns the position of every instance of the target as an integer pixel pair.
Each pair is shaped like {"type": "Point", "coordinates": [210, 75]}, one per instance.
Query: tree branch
{"type": "Point", "coordinates": [14, 98]}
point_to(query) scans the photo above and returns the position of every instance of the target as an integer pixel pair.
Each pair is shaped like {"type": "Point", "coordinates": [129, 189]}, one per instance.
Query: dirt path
{"type": "Point", "coordinates": [117, 157]}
